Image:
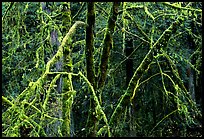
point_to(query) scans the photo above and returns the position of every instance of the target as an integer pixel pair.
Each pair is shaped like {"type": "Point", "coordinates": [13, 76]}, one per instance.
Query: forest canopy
{"type": "Point", "coordinates": [101, 69]}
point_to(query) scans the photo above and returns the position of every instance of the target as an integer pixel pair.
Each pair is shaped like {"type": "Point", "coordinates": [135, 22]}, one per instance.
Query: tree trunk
{"type": "Point", "coordinates": [190, 72]}
{"type": "Point", "coordinates": [191, 87]}
{"type": "Point", "coordinates": [108, 44]}
{"type": "Point", "coordinates": [91, 121]}
{"type": "Point", "coordinates": [68, 96]}
{"type": "Point", "coordinates": [129, 61]}
{"type": "Point", "coordinates": [55, 44]}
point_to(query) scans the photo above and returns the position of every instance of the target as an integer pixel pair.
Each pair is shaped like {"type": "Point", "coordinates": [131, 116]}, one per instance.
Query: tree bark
{"type": "Point", "coordinates": [67, 97]}
{"type": "Point", "coordinates": [191, 82]}
{"type": "Point", "coordinates": [129, 61]}
{"type": "Point", "coordinates": [108, 44]}
{"type": "Point", "coordinates": [55, 44]}
{"type": "Point", "coordinates": [91, 121]}
{"type": "Point", "coordinates": [190, 72]}
{"type": "Point", "coordinates": [90, 43]}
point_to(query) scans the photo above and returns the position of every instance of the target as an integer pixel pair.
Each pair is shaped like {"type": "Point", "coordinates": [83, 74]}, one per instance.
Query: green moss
{"type": "Point", "coordinates": [98, 109]}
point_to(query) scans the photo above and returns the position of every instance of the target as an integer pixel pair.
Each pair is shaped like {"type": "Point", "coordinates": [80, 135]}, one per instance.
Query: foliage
{"type": "Point", "coordinates": [157, 102]}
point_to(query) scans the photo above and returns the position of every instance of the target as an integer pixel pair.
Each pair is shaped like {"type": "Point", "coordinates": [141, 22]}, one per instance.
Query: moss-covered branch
{"type": "Point", "coordinates": [125, 99]}
{"type": "Point", "coordinates": [5, 100]}
{"type": "Point", "coordinates": [132, 8]}
{"type": "Point", "coordinates": [79, 12]}
{"type": "Point", "coordinates": [68, 98]}
{"type": "Point", "coordinates": [68, 36]}
{"type": "Point", "coordinates": [10, 6]}
{"type": "Point", "coordinates": [33, 87]}
{"type": "Point", "coordinates": [98, 109]}
{"type": "Point", "coordinates": [182, 8]}
{"type": "Point", "coordinates": [48, 92]}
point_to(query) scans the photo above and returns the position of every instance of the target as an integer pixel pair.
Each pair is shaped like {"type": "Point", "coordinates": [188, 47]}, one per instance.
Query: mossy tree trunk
{"type": "Point", "coordinates": [55, 45]}
{"type": "Point", "coordinates": [67, 97]}
{"type": "Point", "coordinates": [127, 45]}
{"type": "Point", "coordinates": [91, 121]}
{"type": "Point", "coordinates": [108, 44]}
{"type": "Point", "coordinates": [68, 92]}
{"type": "Point", "coordinates": [64, 84]}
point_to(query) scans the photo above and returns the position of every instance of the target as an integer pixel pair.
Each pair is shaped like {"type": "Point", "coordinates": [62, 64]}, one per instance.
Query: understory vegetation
{"type": "Point", "coordinates": [101, 69]}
